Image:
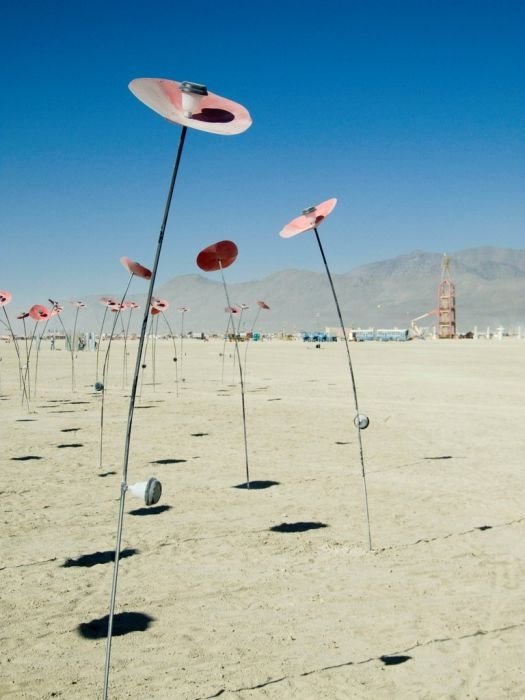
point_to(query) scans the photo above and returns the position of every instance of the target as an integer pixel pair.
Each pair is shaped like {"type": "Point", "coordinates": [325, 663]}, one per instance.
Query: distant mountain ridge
{"type": "Point", "coordinates": [490, 291]}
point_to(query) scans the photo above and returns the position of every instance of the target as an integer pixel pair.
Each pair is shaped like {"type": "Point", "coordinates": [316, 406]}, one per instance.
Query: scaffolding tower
{"type": "Point", "coordinates": [446, 302]}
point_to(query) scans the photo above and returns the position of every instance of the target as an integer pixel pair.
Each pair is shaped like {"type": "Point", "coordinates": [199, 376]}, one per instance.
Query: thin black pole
{"type": "Point", "coordinates": [182, 345]}
{"type": "Point", "coordinates": [240, 375]}
{"type": "Point", "coordinates": [354, 388]}
{"type": "Point", "coordinates": [21, 380]}
{"type": "Point", "coordinates": [224, 344]}
{"type": "Point", "coordinates": [73, 345]}
{"type": "Point", "coordinates": [105, 370]}
{"type": "Point", "coordinates": [100, 341]}
{"type": "Point", "coordinates": [248, 340]}
{"type": "Point", "coordinates": [133, 395]}
{"type": "Point", "coordinates": [175, 358]}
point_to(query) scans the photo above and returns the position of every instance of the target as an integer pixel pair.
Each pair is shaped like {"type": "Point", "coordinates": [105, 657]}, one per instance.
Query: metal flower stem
{"type": "Point", "coordinates": [240, 375]}
{"type": "Point", "coordinates": [67, 339]}
{"type": "Point", "coordinates": [105, 368]}
{"type": "Point", "coordinates": [361, 455]}
{"type": "Point", "coordinates": [124, 485]}
{"type": "Point", "coordinates": [124, 353]}
{"type": "Point", "coordinates": [175, 359]}
{"type": "Point", "coordinates": [22, 384]}
{"type": "Point", "coordinates": [230, 317]}
{"type": "Point", "coordinates": [26, 381]}
{"type": "Point", "coordinates": [154, 351]}
{"type": "Point", "coordinates": [182, 345]}
{"type": "Point", "coordinates": [100, 340]}
{"type": "Point", "coordinates": [28, 353]}
{"type": "Point", "coordinates": [248, 340]}
{"type": "Point", "coordinates": [237, 335]}
{"type": "Point", "coordinates": [125, 364]}
{"type": "Point", "coordinates": [73, 345]}
{"type": "Point", "coordinates": [38, 353]}
{"type": "Point", "coordinates": [145, 355]}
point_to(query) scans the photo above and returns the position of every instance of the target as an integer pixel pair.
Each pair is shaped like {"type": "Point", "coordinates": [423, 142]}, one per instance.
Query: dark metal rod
{"type": "Point", "coordinates": [133, 395]}
{"type": "Point", "coordinates": [175, 358]}
{"type": "Point", "coordinates": [105, 369]}
{"type": "Point", "coordinates": [22, 384]}
{"type": "Point", "coordinates": [248, 340]}
{"type": "Point", "coordinates": [354, 388]}
{"type": "Point", "coordinates": [240, 375]}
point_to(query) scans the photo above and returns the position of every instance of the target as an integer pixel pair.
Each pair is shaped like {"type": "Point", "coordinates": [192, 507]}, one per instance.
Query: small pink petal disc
{"type": "Point", "coordinates": [39, 312]}
{"type": "Point", "coordinates": [216, 114]}
{"type": "Point", "coordinates": [263, 305]}
{"type": "Point", "coordinates": [159, 304]}
{"type": "Point", "coordinates": [217, 256]}
{"type": "Point", "coordinates": [5, 298]}
{"type": "Point", "coordinates": [309, 220]}
{"type": "Point", "coordinates": [135, 268]}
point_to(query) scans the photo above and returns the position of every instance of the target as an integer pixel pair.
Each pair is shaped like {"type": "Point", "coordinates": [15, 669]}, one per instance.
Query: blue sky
{"type": "Point", "coordinates": [410, 113]}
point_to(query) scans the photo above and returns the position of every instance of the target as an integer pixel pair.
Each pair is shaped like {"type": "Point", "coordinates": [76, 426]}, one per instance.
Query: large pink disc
{"type": "Point", "coordinates": [309, 219]}
{"type": "Point", "coordinates": [135, 268]}
{"type": "Point", "coordinates": [216, 114]}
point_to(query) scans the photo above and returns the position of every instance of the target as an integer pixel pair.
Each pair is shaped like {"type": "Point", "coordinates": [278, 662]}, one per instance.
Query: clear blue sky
{"type": "Point", "coordinates": [411, 113]}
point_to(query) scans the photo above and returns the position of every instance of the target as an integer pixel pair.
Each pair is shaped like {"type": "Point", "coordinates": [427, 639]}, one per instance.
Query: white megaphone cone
{"type": "Point", "coordinates": [149, 491]}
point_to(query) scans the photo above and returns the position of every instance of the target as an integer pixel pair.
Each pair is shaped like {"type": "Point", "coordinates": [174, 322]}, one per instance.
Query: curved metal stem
{"type": "Point", "coordinates": [175, 358]}
{"type": "Point", "coordinates": [100, 340]}
{"type": "Point", "coordinates": [73, 344]}
{"type": "Point", "coordinates": [133, 395]}
{"type": "Point", "coordinates": [249, 340]}
{"type": "Point", "coordinates": [181, 346]}
{"type": "Point", "coordinates": [240, 375]}
{"type": "Point", "coordinates": [17, 350]}
{"type": "Point", "coordinates": [230, 317]}
{"type": "Point", "coordinates": [105, 368]}
{"type": "Point", "coordinates": [354, 388]}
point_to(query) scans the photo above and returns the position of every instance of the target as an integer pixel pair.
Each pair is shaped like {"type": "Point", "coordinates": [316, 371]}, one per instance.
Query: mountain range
{"type": "Point", "coordinates": [489, 282]}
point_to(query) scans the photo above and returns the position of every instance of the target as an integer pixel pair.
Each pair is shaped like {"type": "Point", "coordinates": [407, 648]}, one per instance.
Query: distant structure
{"type": "Point", "coordinates": [446, 302]}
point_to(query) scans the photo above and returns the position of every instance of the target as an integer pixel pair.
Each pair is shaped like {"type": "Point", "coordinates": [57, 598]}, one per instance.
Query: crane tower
{"type": "Point", "coordinates": [446, 302]}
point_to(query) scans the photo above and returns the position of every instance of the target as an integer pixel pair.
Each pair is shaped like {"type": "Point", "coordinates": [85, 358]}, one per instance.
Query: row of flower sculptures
{"type": "Point", "coordinates": [191, 105]}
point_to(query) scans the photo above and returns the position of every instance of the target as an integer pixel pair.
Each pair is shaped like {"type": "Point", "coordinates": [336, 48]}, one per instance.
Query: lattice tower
{"type": "Point", "coordinates": [446, 302]}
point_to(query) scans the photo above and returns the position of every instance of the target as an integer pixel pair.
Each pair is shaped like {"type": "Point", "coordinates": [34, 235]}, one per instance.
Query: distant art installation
{"type": "Point", "coordinates": [309, 220]}
{"type": "Point", "coordinates": [190, 105]}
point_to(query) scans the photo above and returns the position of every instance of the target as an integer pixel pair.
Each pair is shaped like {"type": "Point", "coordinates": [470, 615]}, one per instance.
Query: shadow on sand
{"type": "Point", "coordinates": [153, 510]}
{"type": "Point", "coordinates": [123, 623]}
{"type": "Point", "coordinates": [25, 458]}
{"type": "Point", "coordinates": [297, 527]}
{"type": "Point", "coordinates": [95, 558]}
{"type": "Point", "coordinates": [256, 485]}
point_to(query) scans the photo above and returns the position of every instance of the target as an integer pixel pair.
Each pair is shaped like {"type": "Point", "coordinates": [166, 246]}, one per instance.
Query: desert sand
{"type": "Point", "coordinates": [228, 606]}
